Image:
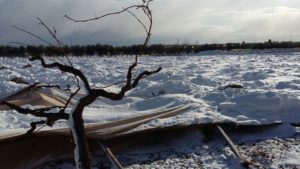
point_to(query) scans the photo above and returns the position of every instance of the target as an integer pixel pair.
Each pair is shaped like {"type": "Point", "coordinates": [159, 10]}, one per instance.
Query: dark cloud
{"type": "Point", "coordinates": [188, 20]}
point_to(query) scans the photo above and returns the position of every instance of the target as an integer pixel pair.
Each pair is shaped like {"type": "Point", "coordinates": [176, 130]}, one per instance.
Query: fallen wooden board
{"type": "Point", "coordinates": [23, 151]}
{"type": "Point", "coordinates": [32, 151]}
{"type": "Point", "coordinates": [105, 130]}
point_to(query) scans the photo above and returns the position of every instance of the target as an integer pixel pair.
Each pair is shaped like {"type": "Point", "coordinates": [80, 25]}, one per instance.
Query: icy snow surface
{"type": "Point", "coordinates": [271, 92]}
{"type": "Point", "coordinates": [271, 87]}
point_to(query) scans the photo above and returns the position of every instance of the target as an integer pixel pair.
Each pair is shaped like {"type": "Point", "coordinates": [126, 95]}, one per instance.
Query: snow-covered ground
{"type": "Point", "coordinates": [189, 150]}
{"type": "Point", "coordinates": [271, 92]}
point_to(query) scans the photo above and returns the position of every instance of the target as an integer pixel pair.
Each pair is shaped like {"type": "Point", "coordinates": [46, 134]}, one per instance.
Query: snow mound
{"type": "Point", "coordinates": [262, 106]}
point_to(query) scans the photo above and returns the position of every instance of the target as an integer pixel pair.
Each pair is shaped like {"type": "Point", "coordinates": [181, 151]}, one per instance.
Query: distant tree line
{"type": "Point", "coordinates": [155, 49]}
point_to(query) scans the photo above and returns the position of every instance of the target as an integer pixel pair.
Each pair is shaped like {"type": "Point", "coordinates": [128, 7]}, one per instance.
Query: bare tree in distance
{"type": "Point", "coordinates": [76, 123]}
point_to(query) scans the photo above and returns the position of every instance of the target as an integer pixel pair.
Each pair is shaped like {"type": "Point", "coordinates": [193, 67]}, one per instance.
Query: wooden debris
{"type": "Point", "coordinates": [234, 149]}
{"type": "Point", "coordinates": [112, 158]}
{"type": "Point", "coordinates": [269, 60]}
{"type": "Point", "coordinates": [26, 66]}
{"type": "Point", "coordinates": [234, 86]}
{"type": "Point", "coordinates": [19, 80]}
{"type": "Point", "coordinates": [57, 141]}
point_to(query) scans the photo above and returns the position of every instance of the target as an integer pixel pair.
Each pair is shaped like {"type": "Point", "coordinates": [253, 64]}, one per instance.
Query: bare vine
{"type": "Point", "coordinates": [75, 116]}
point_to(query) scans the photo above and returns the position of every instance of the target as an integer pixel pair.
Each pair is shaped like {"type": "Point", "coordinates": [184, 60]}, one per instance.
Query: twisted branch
{"type": "Point", "coordinates": [129, 85]}
{"type": "Point", "coordinates": [41, 112]}
{"type": "Point", "coordinates": [64, 68]}
{"type": "Point", "coordinates": [92, 94]}
{"type": "Point", "coordinates": [33, 126]}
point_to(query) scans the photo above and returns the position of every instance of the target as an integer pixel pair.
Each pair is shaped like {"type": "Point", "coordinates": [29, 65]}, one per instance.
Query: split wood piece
{"type": "Point", "coordinates": [19, 80]}
{"type": "Point", "coordinates": [234, 149]}
{"type": "Point", "coordinates": [234, 86]}
{"type": "Point", "coordinates": [112, 158]}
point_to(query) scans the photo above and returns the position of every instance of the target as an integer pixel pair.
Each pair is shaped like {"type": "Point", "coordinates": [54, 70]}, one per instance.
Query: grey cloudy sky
{"type": "Point", "coordinates": [205, 21]}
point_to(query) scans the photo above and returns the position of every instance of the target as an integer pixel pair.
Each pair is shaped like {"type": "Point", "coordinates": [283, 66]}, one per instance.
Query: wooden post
{"type": "Point", "coordinates": [234, 149]}
{"type": "Point", "coordinates": [112, 158]}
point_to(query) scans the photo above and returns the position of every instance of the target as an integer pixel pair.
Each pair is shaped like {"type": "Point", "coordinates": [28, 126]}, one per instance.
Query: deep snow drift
{"type": "Point", "coordinates": [271, 88]}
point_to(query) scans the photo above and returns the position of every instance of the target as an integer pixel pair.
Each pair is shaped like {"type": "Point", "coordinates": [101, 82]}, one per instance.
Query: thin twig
{"type": "Point", "coordinates": [105, 15]}
{"type": "Point", "coordinates": [36, 36]}
{"type": "Point", "coordinates": [60, 44]}
{"type": "Point", "coordinates": [19, 43]}
{"type": "Point", "coordinates": [138, 19]}
{"type": "Point", "coordinates": [71, 97]}
{"type": "Point", "coordinates": [40, 128]}
{"type": "Point", "coordinates": [53, 35]}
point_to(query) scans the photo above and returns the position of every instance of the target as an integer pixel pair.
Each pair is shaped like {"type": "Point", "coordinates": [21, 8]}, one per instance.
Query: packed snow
{"type": "Point", "coordinates": [269, 91]}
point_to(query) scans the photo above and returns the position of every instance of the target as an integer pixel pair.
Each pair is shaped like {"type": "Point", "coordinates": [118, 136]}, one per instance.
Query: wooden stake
{"type": "Point", "coordinates": [234, 149]}
{"type": "Point", "coordinates": [112, 158]}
